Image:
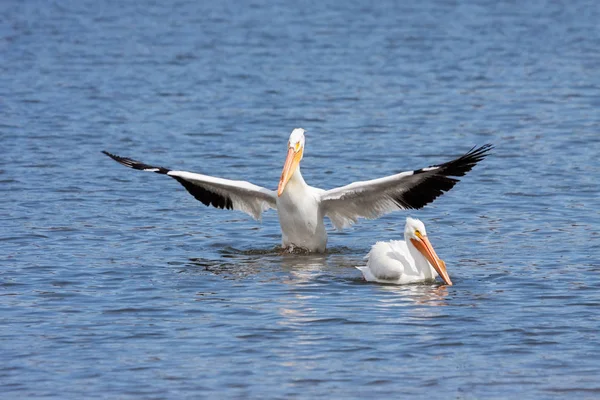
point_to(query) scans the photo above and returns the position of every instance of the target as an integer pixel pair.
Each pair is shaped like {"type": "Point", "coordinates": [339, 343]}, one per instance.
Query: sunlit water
{"type": "Point", "coordinates": [118, 284]}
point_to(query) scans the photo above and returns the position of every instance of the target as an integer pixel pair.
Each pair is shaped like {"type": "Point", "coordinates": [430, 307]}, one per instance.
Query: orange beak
{"type": "Point", "coordinates": [289, 167]}
{"type": "Point", "coordinates": [425, 247]}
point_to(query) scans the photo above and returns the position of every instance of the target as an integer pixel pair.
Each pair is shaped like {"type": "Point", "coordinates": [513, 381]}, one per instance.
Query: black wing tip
{"type": "Point", "coordinates": [442, 180]}
{"type": "Point", "coordinates": [115, 157]}
{"type": "Point", "coordinates": [479, 153]}
{"type": "Point", "coordinates": [131, 163]}
{"type": "Point", "coordinates": [466, 162]}
{"type": "Point", "coordinates": [201, 194]}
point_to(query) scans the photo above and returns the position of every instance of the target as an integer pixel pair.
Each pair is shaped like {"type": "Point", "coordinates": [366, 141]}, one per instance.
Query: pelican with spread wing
{"type": "Point", "coordinates": [302, 208]}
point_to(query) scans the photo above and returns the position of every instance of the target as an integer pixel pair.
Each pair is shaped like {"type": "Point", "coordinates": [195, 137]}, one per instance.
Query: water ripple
{"type": "Point", "coordinates": [118, 284]}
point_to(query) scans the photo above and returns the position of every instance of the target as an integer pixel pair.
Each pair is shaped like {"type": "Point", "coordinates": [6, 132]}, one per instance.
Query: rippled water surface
{"type": "Point", "coordinates": [118, 284]}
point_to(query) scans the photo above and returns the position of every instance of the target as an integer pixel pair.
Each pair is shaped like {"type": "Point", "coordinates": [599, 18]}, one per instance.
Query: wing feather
{"type": "Point", "coordinates": [406, 190]}
{"type": "Point", "coordinates": [217, 192]}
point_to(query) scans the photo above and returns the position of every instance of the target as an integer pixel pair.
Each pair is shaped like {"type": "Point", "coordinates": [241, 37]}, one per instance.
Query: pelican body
{"type": "Point", "coordinates": [301, 216]}
{"type": "Point", "coordinates": [303, 208]}
{"type": "Point", "coordinates": [409, 261]}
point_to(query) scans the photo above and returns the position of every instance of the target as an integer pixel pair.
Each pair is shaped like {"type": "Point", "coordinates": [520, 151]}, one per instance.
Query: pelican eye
{"type": "Point", "coordinates": [297, 146]}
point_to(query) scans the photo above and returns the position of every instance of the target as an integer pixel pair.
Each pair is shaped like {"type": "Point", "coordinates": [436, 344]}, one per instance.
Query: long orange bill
{"type": "Point", "coordinates": [425, 247]}
{"type": "Point", "coordinates": [289, 167]}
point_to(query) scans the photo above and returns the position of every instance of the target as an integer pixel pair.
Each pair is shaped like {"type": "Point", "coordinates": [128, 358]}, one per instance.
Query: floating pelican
{"type": "Point", "coordinates": [302, 208]}
{"type": "Point", "coordinates": [409, 261]}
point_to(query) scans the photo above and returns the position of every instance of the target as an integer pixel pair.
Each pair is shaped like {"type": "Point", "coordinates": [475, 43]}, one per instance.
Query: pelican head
{"type": "Point", "coordinates": [416, 233]}
{"type": "Point", "coordinates": [294, 155]}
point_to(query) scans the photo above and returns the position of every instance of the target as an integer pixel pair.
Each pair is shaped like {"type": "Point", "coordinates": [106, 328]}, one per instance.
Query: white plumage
{"type": "Point", "coordinates": [244, 196]}
{"type": "Point", "coordinates": [302, 208]}
{"type": "Point", "coordinates": [410, 261]}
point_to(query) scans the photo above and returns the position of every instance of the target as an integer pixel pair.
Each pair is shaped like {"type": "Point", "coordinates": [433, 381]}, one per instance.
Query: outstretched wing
{"type": "Point", "coordinates": [211, 191]}
{"type": "Point", "coordinates": [406, 190]}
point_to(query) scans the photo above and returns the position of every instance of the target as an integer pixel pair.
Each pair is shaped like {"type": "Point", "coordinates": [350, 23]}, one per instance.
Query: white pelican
{"type": "Point", "coordinates": [302, 208]}
{"type": "Point", "coordinates": [409, 261]}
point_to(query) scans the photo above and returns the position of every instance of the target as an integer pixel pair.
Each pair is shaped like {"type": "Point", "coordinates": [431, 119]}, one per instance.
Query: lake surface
{"type": "Point", "coordinates": [118, 284]}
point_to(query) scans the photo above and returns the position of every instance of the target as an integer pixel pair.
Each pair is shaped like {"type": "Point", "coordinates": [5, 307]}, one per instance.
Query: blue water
{"type": "Point", "coordinates": [118, 284]}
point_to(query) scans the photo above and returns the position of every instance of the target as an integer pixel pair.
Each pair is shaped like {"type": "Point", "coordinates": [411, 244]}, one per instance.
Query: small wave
{"type": "Point", "coordinates": [279, 250]}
